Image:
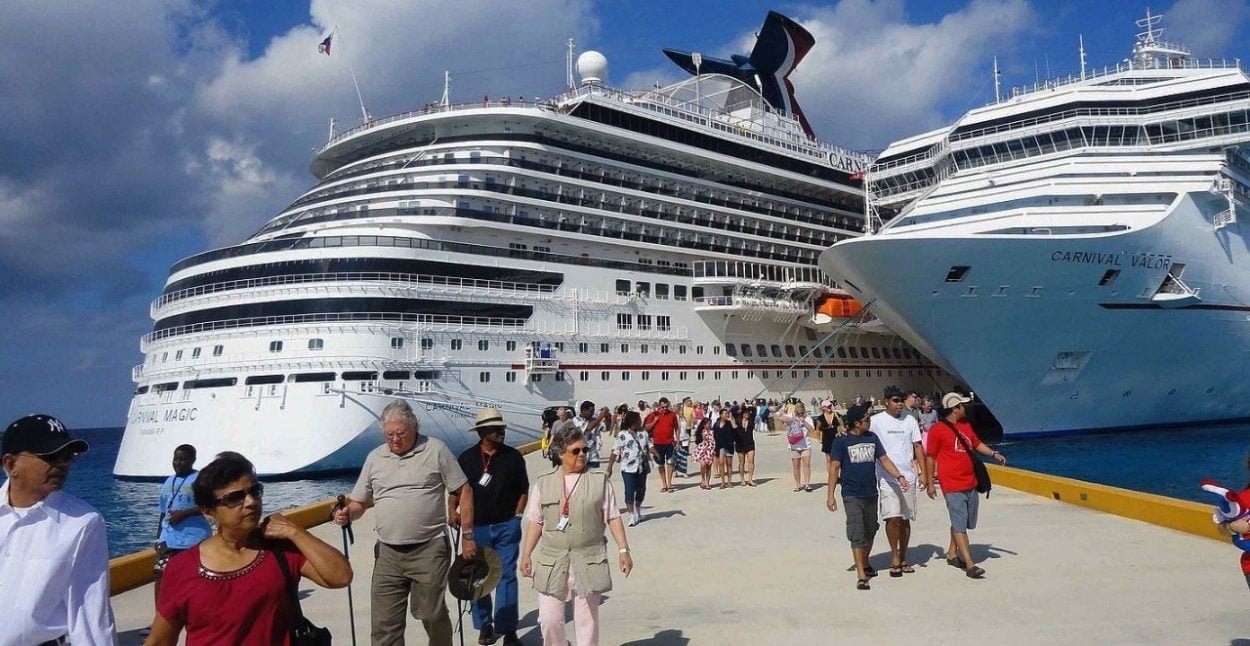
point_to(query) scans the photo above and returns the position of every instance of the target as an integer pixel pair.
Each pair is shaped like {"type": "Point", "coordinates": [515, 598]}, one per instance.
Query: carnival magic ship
{"type": "Point", "coordinates": [1075, 251]}
{"type": "Point", "coordinates": [604, 245]}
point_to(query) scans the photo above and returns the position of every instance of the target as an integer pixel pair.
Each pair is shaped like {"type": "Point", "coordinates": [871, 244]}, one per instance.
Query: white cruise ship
{"type": "Point", "coordinates": [1075, 251]}
{"type": "Point", "coordinates": [605, 245]}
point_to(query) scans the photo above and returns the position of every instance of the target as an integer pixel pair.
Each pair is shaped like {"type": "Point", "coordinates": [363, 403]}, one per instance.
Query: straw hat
{"type": "Point", "coordinates": [489, 419]}
{"type": "Point", "coordinates": [472, 579]}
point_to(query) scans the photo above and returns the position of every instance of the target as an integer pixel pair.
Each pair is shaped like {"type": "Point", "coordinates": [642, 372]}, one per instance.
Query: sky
{"type": "Point", "coordinates": [133, 134]}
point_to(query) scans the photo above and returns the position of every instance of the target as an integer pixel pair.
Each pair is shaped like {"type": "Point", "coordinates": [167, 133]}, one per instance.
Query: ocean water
{"type": "Point", "coordinates": [130, 508]}
{"type": "Point", "coordinates": [1167, 462]}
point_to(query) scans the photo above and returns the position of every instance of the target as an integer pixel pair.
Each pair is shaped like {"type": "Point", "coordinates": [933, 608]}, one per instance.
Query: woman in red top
{"type": "Point", "coordinates": [230, 589]}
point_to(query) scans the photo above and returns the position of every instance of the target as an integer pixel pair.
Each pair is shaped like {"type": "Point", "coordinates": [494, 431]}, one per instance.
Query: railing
{"type": "Point", "coordinates": [1125, 66]}
{"type": "Point", "coordinates": [751, 302]}
{"type": "Point", "coordinates": [375, 276]}
{"type": "Point", "coordinates": [436, 108]}
{"type": "Point", "coordinates": [332, 317]}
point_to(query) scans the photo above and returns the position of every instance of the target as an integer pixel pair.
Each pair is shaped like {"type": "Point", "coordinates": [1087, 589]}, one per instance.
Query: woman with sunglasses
{"type": "Point", "coordinates": [569, 512]}
{"type": "Point", "coordinates": [231, 588]}
{"type": "Point", "coordinates": [704, 451]}
{"type": "Point", "coordinates": [798, 429]}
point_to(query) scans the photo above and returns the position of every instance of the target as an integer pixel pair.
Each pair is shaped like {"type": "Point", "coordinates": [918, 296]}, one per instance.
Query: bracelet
{"type": "Point", "coordinates": [624, 550]}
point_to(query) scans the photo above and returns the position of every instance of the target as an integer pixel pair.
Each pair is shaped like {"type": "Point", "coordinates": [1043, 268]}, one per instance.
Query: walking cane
{"type": "Point", "coordinates": [349, 538]}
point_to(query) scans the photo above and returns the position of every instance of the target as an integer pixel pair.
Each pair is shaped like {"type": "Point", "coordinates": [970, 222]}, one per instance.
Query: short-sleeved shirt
{"type": "Point", "coordinates": [409, 490]}
{"type": "Point", "coordinates": [954, 465]}
{"type": "Point", "coordinates": [857, 456]}
{"type": "Point", "coordinates": [176, 495]}
{"type": "Point", "coordinates": [631, 449]}
{"type": "Point", "coordinates": [247, 606]}
{"type": "Point", "coordinates": [665, 427]}
{"type": "Point", "coordinates": [497, 501]}
{"type": "Point", "coordinates": [899, 436]}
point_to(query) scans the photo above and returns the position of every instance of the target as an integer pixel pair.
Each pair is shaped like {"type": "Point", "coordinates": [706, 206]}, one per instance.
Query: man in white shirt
{"type": "Point", "coordinates": [53, 546]}
{"type": "Point", "coordinates": [900, 435]}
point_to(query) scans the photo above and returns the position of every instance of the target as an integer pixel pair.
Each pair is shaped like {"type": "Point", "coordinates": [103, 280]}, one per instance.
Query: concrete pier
{"type": "Point", "coordinates": [766, 565]}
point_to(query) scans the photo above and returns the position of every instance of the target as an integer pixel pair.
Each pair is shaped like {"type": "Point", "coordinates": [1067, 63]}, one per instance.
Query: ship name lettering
{"type": "Point", "coordinates": [1087, 258]}
{"type": "Point", "coordinates": [181, 414]}
{"type": "Point", "coordinates": [1152, 260]}
{"type": "Point", "coordinates": [144, 417]}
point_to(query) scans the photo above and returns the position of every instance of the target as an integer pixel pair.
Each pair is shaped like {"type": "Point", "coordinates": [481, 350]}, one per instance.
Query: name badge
{"type": "Point", "coordinates": [484, 480]}
{"type": "Point", "coordinates": [563, 524]}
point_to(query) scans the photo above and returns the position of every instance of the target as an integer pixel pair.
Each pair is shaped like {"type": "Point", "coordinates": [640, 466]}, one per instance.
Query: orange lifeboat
{"type": "Point", "coordinates": [835, 306]}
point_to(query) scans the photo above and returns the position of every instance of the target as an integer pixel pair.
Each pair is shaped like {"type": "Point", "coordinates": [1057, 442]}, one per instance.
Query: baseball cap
{"type": "Point", "coordinates": [39, 434]}
{"type": "Point", "coordinates": [828, 403]}
{"type": "Point", "coordinates": [855, 414]}
{"type": "Point", "coordinates": [951, 400]}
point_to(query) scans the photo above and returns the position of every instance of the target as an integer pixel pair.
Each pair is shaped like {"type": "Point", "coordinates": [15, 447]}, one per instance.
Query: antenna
{"type": "Point", "coordinates": [1082, 51]}
{"type": "Point", "coordinates": [331, 129]}
{"type": "Point", "coordinates": [998, 82]}
{"type": "Point", "coordinates": [568, 66]}
{"type": "Point", "coordinates": [446, 100]}
{"type": "Point", "coordinates": [1148, 23]}
{"type": "Point", "coordinates": [364, 114]}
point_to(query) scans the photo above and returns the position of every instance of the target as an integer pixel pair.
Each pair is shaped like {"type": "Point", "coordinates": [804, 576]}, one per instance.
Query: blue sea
{"type": "Point", "coordinates": [1167, 462]}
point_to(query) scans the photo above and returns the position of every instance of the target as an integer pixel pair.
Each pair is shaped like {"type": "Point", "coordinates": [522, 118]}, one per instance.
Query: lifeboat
{"type": "Point", "coordinates": [830, 306]}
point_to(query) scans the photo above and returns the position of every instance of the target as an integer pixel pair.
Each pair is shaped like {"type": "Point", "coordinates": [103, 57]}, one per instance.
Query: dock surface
{"type": "Point", "coordinates": [765, 565]}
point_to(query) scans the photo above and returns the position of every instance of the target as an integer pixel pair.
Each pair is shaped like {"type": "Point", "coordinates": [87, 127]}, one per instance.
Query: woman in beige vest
{"type": "Point", "coordinates": [570, 509]}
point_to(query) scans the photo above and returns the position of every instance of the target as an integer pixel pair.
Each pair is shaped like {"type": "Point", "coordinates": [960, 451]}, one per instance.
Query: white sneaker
{"type": "Point", "coordinates": [633, 519]}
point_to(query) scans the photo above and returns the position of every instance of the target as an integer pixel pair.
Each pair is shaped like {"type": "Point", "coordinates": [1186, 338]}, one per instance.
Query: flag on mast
{"type": "Point", "coordinates": [324, 47]}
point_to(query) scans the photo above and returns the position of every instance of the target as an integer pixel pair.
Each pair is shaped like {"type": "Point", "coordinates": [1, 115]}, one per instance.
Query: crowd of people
{"type": "Point", "coordinates": [236, 584]}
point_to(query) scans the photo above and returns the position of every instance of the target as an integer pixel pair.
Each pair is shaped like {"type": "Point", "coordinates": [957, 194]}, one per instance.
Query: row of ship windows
{"type": "Point", "coordinates": [510, 376]}
{"type": "Point", "coordinates": [644, 322]}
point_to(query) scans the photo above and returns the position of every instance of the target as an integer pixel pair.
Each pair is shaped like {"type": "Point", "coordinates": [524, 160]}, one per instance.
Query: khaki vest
{"type": "Point", "coordinates": [582, 546]}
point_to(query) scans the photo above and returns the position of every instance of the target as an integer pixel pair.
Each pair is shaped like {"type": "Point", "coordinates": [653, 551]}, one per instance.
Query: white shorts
{"type": "Point", "coordinates": [893, 502]}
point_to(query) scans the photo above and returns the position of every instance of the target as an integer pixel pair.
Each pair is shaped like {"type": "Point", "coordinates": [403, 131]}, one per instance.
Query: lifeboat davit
{"type": "Point", "coordinates": [830, 306]}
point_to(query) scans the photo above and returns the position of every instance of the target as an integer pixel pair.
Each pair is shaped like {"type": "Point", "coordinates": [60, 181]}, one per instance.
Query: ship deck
{"type": "Point", "coordinates": [770, 566]}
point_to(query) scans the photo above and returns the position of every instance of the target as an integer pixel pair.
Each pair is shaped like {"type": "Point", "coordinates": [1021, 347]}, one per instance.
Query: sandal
{"type": "Point", "coordinates": [862, 584]}
{"type": "Point", "coordinates": [797, 489]}
{"type": "Point", "coordinates": [896, 571]}
{"type": "Point", "coordinates": [807, 487]}
{"type": "Point", "coordinates": [870, 571]}
{"type": "Point", "coordinates": [974, 572]}
{"type": "Point", "coordinates": [906, 568]}
{"type": "Point", "coordinates": [956, 561]}
{"type": "Point", "coordinates": [750, 483]}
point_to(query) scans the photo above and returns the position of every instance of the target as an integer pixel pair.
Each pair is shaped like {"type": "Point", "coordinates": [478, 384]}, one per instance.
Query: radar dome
{"type": "Point", "coordinates": [592, 67]}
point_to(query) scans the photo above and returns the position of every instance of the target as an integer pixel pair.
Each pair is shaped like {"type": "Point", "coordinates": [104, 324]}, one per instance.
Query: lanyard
{"type": "Point", "coordinates": [486, 461]}
{"type": "Point", "coordinates": [173, 495]}
{"type": "Point", "coordinates": [568, 493]}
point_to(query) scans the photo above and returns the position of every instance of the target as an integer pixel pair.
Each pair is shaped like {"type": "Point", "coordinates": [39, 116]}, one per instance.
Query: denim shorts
{"type": "Point", "coordinates": [963, 506]}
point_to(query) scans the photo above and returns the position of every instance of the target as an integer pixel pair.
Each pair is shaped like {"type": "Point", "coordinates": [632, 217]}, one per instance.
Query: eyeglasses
{"type": "Point", "coordinates": [236, 498]}
{"type": "Point", "coordinates": [576, 451]}
{"type": "Point", "coordinates": [397, 434]}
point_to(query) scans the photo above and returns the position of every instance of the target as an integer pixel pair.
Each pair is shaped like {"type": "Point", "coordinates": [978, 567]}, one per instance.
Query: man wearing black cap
{"type": "Point", "coordinates": [53, 546]}
{"type": "Point", "coordinates": [500, 484]}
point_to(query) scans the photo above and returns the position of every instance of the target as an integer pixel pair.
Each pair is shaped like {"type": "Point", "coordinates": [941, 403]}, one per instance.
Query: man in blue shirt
{"type": "Point", "coordinates": [181, 525]}
{"type": "Point", "coordinates": [853, 464]}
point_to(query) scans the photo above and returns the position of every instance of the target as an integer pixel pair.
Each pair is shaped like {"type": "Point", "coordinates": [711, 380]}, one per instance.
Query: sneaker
{"type": "Point", "coordinates": [510, 639]}
{"type": "Point", "coordinates": [487, 636]}
{"type": "Point", "coordinates": [633, 519]}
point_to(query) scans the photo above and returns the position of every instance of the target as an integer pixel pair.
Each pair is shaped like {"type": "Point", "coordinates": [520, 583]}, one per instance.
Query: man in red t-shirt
{"type": "Point", "coordinates": [953, 464]}
{"type": "Point", "coordinates": [662, 425]}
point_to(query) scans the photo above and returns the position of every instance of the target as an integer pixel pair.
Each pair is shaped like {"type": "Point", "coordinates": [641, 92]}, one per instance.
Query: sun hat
{"type": "Point", "coordinates": [488, 419]}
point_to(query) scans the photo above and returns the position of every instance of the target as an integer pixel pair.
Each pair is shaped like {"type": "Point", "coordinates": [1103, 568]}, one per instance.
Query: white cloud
{"type": "Point", "coordinates": [1208, 27]}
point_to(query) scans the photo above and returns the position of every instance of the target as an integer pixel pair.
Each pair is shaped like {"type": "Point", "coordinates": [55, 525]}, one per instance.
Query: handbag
{"type": "Point", "coordinates": [978, 467]}
{"type": "Point", "coordinates": [303, 631]}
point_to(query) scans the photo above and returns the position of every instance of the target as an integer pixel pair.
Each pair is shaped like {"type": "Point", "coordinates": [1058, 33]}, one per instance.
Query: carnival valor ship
{"type": "Point", "coordinates": [604, 245]}
{"type": "Point", "coordinates": [1075, 251]}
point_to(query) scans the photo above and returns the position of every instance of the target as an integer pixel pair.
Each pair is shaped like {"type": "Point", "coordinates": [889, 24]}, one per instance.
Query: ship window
{"type": "Point", "coordinates": [220, 382]}
{"type": "Point", "coordinates": [625, 375]}
{"type": "Point", "coordinates": [397, 342]}
{"type": "Point", "coordinates": [1109, 277]}
{"type": "Point", "coordinates": [511, 346]}
{"type": "Point", "coordinates": [682, 375]}
{"type": "Point", "coordinates": [260, 380]}
{"type": "Point", "coordinates": [681, 349]}
{"type": "Point", "coordinates": [698, 349]}
{"type": "Point", "coordinates": [663, 323]}
{"type": "Point", "coordinates": [583, 348]}
{"type": "Point", "coordinates": [603, 348]}
{"type": "Point", "coordinates": [646, 375]}
{"type": "Point", "coordinates": [306, 377]}
{"type": "Point", "coordinates": [776, 350]}
{"type": "Point", "coordinates": [622, 287]}
{"type": "Point", "coordinates": [897, 355]}
{"type": "Point", "coordinates": [664, 375]}
{"type": "Point", "coordinates": [483, 345]}
{"type": "Point", "coordinates": [426, 343]}
{"type": "Point", "coordinates": [195, 354]}
{"type": "Point", "coordinates": [750, 374]}
{"type": "Point", "coordinates": [661, 290]}
{"type": "Point", "coordinates": [426, 375]}
{"type": "Point", "coordinates": [509, 376]}
{"type": "Point", "coordinates": [643, 348]}
{"type": "Point", "coordinates": [679, 292]}
{"type": "Point", "coordinates": [696, 293]}
{"type": "Point", "coordinates": [854, 352]}
{"type": "Point", "coordinates": [643, 289]}
{"type": "Point", "coordinates": [361, 375]}
{"type": "Point", "coordinates": [731, 350]}
{"type": "Point", "coordinates": [166, 387]}
{"type": "Point", "coordinates": [560, 376]}
{"type": "Point", "coordinates": [957, 273]}
{"type": "Point", "coordinates": [663, 349]}
{"type": "Point", "coordinates": [560, 346]}
{"type": "Point", "coordinates": [761, 350]}
{"type": "Point", "coordinates": [217, 350]}
{"type": "Point", "coordinates": [483, 377]}
{"type": "Point", "coordinates": [790, 351]}
{"type": "Point", "coordinates": [164, 357]}
{"type": "Point", "coordinates": [700, 375]}
{"type": "Point", "coordinates": [178, 356]}
{"type": "Point", "coordinates": [624, 321]}
{"type": "Point", "coordinates": [746, 350]}
{"type": "Point", "coordinates": [644, 321]}
{"type": "Point", "coordinates": [716, 349]}
{"type": "Point", "coordinates": [397, 375]}
{"type": "Point", "coordinates": [820, 374]}
{"type": "Point", "coordinates": [275, 346]}
{"type": "Point", "coordinates": [536, 378]}
{"type": "Point", "coordinates": [841, 353]}
{"type": "Point", "coordinates": [604, 376]}
{"type": "Point", "coordinates": [716, 375]}
{"type": "Point", "coordinates": [624, 348]}
{"type": "Point", "coordinates": [456, 344]}
{"type": "Point", "coordinates": [583, 376]}
{"type": "Point", "coordinates": [803, 350]}
{"type": "Point", "coordinates": [141, 390]}
{"type": "Point", "coordinates": [316, 344]}
{"type": "Point", "coordinates": [875, 353]}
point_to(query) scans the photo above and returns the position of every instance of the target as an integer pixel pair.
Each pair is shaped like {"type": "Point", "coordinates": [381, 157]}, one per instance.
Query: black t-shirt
{"type": "Point", "coordinates": [497, 501]}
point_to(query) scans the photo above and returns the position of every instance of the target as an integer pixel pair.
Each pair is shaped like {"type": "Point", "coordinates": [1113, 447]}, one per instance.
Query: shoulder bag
{"type": "Point", "coordinates": [303, 632]}
{"type": "Point", "coordinates": [978, 467]}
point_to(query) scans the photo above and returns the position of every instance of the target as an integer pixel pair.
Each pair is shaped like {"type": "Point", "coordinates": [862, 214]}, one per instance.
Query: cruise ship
{"type": "Point", "coordinates": [1074, 251]}
{"type": "Point", "coordinates": [606, 245]}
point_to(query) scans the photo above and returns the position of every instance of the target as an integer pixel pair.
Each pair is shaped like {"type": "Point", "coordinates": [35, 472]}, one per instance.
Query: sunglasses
{"type": "Point", "coordinates": [236, 498]}
{"type": "Point", "coordinates": [577, 451]}
{"type": "Point", "coordinates": [896, 400]}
